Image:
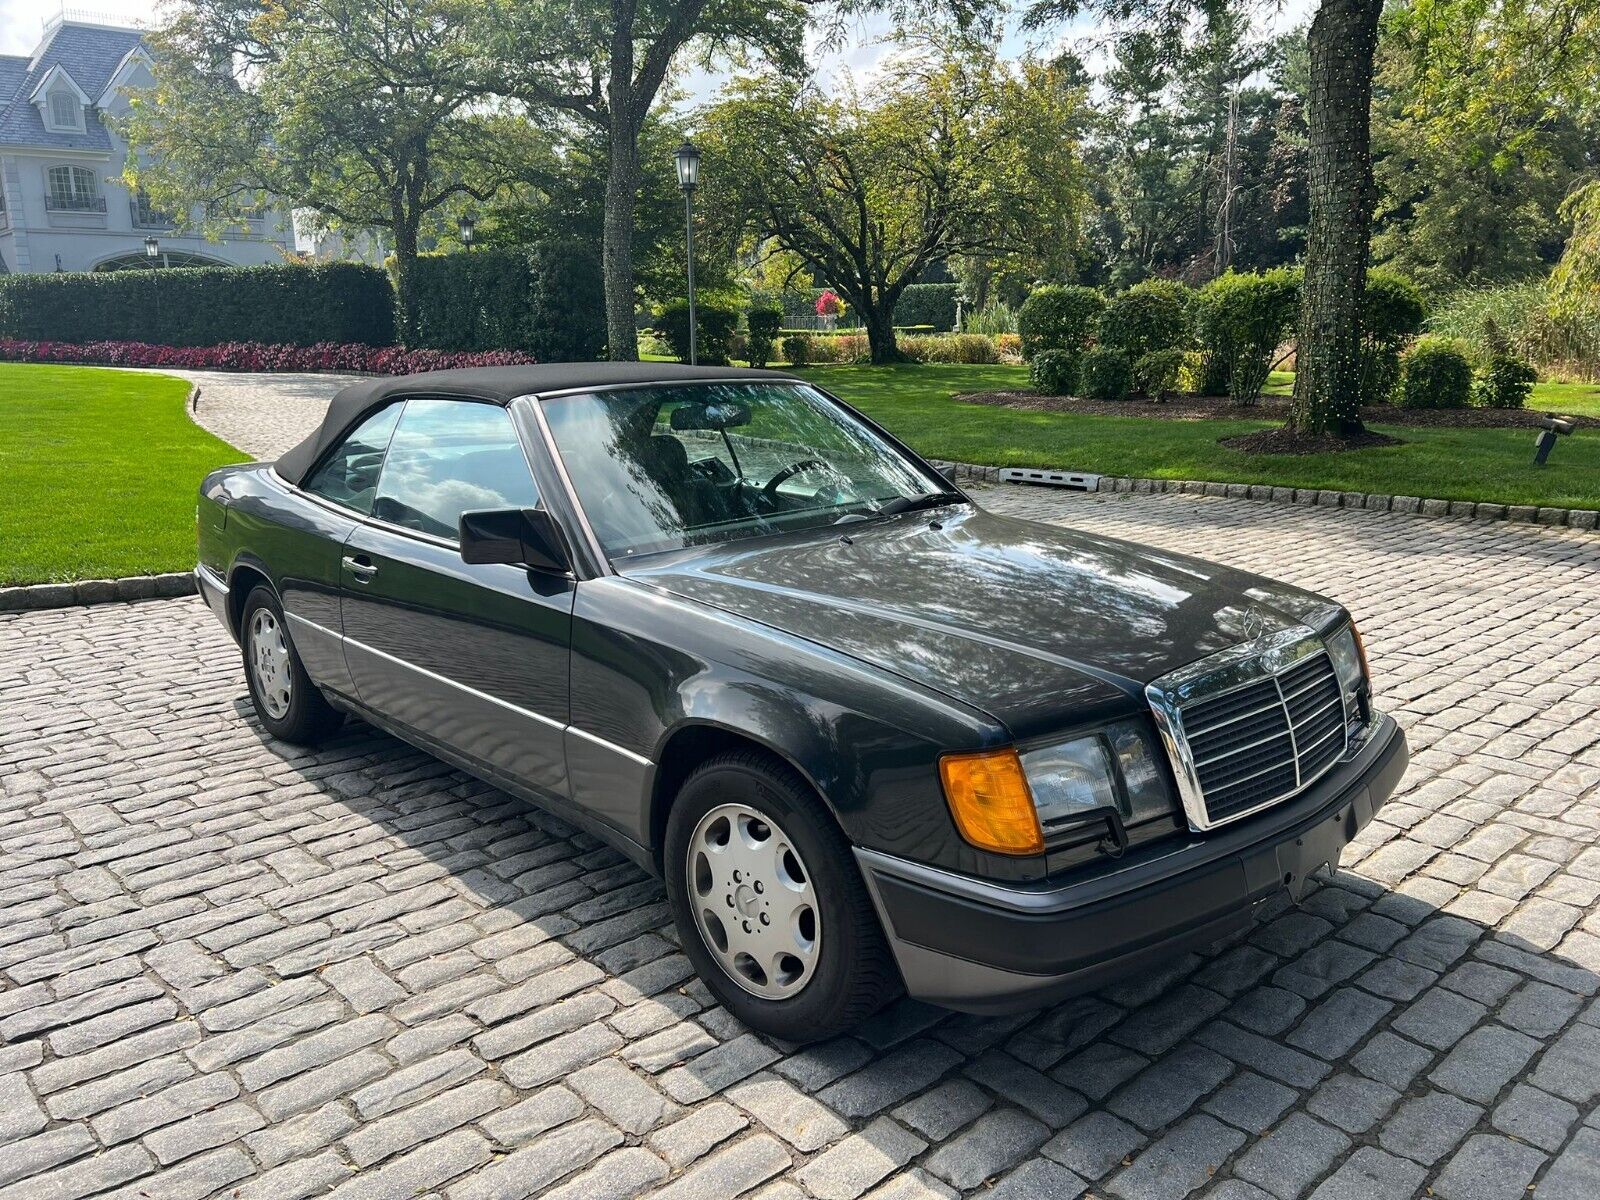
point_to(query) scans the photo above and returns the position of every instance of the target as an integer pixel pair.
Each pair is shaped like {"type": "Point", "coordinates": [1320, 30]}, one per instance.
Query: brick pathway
{"type": "Point", "coordinates": [265, 414]}
{"type": "Point", "coordinates": [232, 968]}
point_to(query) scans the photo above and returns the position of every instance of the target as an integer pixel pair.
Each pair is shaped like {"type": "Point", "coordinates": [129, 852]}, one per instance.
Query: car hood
{"type": "Point", "coordinates": [1036, 625]}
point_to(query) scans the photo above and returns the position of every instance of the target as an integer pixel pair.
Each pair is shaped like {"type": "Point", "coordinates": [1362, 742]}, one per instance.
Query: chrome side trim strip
{"type": "Point", "coordinates": [472, 691]}
{"type": "Point", "coordinates": [611, 746]}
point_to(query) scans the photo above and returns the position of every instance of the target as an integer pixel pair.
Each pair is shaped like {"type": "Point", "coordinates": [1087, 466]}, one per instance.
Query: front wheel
{"type": "Point", "coordinates": [288, 704]}
{"type": "Point", "coordinates": [769, 904]}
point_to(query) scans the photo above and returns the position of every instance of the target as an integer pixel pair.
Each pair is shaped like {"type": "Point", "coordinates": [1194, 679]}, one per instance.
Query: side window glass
{"type": "Point", "coordinates": [350, 474]}
{"type": "Point", "coordinates": [448, 457]}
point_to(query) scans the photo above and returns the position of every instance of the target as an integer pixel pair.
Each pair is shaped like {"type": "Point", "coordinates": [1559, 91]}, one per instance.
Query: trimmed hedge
{"type": "Point", "coordinates": [298, 304]}
{"type": "Point", "coordinates": [1055, 317]}
{"type": "Point", "coordinates": [932, 304]}
{"type": "Point", "coordinates": [1105, 374]}
{"type": "Point", "coordinates": [1147, 318]}
{"type": "Point", "coordinates": [545, 299]}
{"type": "Point", "coordinates": [1054, 372]}
{"type": "Point", "coordinates": [715, 326]}
{"type": "Point", "coordinates": [259, 356]}
{"type": "Point", "coordinates": [1240, 320]}
{"type": "Point", "coordinates": [764, 322]}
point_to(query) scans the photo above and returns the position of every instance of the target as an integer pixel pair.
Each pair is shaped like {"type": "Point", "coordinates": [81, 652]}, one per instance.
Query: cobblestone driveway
{"type": "Point", "coordinates": [228, 967]}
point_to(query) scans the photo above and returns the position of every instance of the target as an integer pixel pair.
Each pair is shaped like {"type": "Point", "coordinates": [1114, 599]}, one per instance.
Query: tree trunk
{"type": "Point", "coordinates": [879, 323]}
{"type": "Point", "coordinates": [1344, 37]}
{"type": "Point", "coordinates": [622, 189]}
{"type": "Point", "coordinates": [405, 261]}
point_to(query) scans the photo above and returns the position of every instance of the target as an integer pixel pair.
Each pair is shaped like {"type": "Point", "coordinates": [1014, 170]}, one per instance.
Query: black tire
{"type": "Point", "coordinates": [308, 717]}
{"type": "Point", "coordinates": [854, 975]}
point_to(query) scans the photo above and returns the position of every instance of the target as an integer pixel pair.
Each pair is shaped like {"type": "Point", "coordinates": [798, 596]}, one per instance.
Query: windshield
{"type": "Point", "coordinates": [668, 467]}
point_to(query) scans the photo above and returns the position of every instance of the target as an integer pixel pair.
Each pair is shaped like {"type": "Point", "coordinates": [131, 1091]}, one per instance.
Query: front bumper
{"type": "Point", "coordinates": [987, 947]}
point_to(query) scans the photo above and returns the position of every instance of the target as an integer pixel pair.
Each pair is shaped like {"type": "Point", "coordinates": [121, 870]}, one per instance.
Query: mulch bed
{"type": "Point", "coordinates": [1270, 408]}
{"type": "Point", "coordinates": [1283, 441]}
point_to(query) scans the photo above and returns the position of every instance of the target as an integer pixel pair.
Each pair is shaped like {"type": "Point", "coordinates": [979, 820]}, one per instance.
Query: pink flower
{"type": "Point", "coordinates": [829, 304]}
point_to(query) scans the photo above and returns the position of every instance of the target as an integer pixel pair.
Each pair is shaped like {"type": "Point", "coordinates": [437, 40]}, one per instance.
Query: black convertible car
{"type": "Point", "coordinates": [870, 735]}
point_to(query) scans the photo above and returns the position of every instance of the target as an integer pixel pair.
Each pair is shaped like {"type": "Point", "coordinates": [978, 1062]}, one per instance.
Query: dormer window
{"type": "Point", "coordinates": [65, 111]}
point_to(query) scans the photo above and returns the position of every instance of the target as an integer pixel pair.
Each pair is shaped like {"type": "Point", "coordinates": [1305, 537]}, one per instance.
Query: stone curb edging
{"type": "Point", "coordinates": [1527, 514]}
{"type": "Point", "coordinates": [96, 591]}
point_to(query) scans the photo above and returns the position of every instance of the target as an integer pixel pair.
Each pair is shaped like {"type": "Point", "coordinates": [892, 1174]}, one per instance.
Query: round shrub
{"type": "Point", "coordinates": [1504, 382]}
{"type": "Point", "coordinates": [1156, 373]}
{"type": "Point", "coordinates": [764, 321]}
{"type": "Point", "coordinates": [1392, 311]}
{"type": "Point", "coordinates": [797, 349]}
{"type": "Point", "coordinates": [1435, 374]}
{"type": "Point", "coordinates": [1054, 372]}
{"type": "Point", "coordinates": [1105, 374]}
{"type": "Point", "coordinates": [1240, 320]}
{"type": "Point", "coordinates": [1058, 318]}
{"type": "Point", "coordinates": [715, 323]}
{"type": "Point", "coordinates": [1146, 318]}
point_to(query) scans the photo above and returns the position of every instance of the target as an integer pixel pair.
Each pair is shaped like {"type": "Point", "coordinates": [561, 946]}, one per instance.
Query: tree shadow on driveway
{"type": "Point", "coordinates": [1366, 1042]}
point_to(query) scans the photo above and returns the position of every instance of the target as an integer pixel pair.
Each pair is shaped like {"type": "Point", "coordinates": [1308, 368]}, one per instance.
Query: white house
{"type": "Point", "coordinates": [62, 203]}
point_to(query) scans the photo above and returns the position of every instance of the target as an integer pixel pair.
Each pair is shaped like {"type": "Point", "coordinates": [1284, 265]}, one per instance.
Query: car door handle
{"type": "Point", "coordinates": [360, 567]}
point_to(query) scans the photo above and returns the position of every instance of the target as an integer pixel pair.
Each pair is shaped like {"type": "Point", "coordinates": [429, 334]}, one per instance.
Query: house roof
{"type": "Point", "coordinates": [89, 55]}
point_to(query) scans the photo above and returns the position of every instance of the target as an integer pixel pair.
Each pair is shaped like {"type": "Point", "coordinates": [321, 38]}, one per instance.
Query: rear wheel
{"type": "Point", "coordinates": [769, 904]}
{"type": "Point", "coordinates": [287, 703]}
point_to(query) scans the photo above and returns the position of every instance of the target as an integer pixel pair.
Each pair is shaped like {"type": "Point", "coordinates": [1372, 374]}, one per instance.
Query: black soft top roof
{"type": "Point", "coordinates": [496, 385]}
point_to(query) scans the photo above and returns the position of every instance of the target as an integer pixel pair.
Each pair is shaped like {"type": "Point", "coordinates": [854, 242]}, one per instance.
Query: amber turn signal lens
{"type": "Point", "coordinates": [990, 801]}
{"type": "Point", "coordinates": [1361, 651]}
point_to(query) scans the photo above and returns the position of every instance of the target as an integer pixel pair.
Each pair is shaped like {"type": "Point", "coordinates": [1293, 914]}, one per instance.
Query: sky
{"type": "Point", "coordinates": [21, 22]}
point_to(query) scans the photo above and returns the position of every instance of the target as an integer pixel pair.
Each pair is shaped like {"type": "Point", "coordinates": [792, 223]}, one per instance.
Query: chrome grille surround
{"type": "Point", "coordinates": [1249, 727]}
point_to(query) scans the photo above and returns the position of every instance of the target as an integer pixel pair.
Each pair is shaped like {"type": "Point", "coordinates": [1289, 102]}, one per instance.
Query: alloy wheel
{"type": "Point", "coordinates": [754, 903]}
{"type": "Point", "coordinates": [269, 663]}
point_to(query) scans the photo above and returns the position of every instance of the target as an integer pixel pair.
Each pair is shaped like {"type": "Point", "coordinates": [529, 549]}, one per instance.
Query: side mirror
{"type": "Point", "coordinates": [948, 472]}
{"type": "Point", "coordinates": [524, 537]}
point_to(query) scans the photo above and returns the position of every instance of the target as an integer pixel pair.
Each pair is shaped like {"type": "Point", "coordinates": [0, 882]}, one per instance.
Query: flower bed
{"type": "Point", "coordinates": [260, 356]}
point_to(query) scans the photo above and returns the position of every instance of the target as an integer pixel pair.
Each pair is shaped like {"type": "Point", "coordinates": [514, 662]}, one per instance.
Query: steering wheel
{"type": "Point", "coordinates": [770, 488]}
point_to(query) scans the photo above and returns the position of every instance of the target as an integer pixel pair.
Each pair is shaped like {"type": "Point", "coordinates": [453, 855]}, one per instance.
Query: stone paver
{"type": "Point", "coordinates": [229, 966]}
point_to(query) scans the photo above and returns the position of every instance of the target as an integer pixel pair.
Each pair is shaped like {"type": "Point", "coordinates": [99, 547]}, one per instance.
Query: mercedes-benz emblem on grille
{"type": "Point", "coordinates": [1254, 623]}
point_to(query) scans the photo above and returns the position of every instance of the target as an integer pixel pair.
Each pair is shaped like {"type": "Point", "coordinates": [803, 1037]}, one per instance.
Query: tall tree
{"type": "Point", "coordinates": [365, 111]}
{"type": "Point", "coordinates": [1342, 42]}
{"type": "Point", "coordinates": [605, 62]}
{"type": "Point", "coordinates": [1327, 380]}
{"type": "Point", "coordinates": [951, 155]}
{"type": "Point", "coordinates": [1486, 116]}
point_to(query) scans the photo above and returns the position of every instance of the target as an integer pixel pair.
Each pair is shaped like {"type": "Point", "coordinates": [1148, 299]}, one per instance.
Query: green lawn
{"type": "Point", "coordinates": [98, 471]}
{"type": "Point", "coordinates": [916, 403]}
{"type": "Point", "coordinates": [1578, 399]}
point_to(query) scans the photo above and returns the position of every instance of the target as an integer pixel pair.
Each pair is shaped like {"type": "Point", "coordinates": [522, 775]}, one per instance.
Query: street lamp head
{"type": "Point", "coordinates": [688, 160]}
{"type": "Point", "coordinates": [152, 248]}
{"type": "Point", "coordinates": [467, 228]}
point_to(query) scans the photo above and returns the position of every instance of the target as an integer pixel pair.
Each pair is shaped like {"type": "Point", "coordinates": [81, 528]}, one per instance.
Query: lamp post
{"type": "Point", "coordinates": [467, 227]}
{"type": "Point", "coordinates": [688, 160]}
{"type": "Point", "coordinates": [152, 252]}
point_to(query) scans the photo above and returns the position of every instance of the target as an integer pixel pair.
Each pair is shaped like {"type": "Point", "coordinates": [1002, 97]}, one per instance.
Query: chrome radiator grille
{"type": "Point", "coordinates": [1248, 731]}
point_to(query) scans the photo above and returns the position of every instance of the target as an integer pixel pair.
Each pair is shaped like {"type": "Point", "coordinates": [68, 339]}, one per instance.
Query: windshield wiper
{"type": "Point", "coordinates": [902, 504]}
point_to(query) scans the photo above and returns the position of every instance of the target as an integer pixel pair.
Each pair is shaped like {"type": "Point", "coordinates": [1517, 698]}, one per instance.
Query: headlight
{"type": "Point", "coordinates": [1074, 782]}
{"type": "Point", "coordinates": [1350, 664]}
{"type": "Point", "coordinates": [1012, 803]}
